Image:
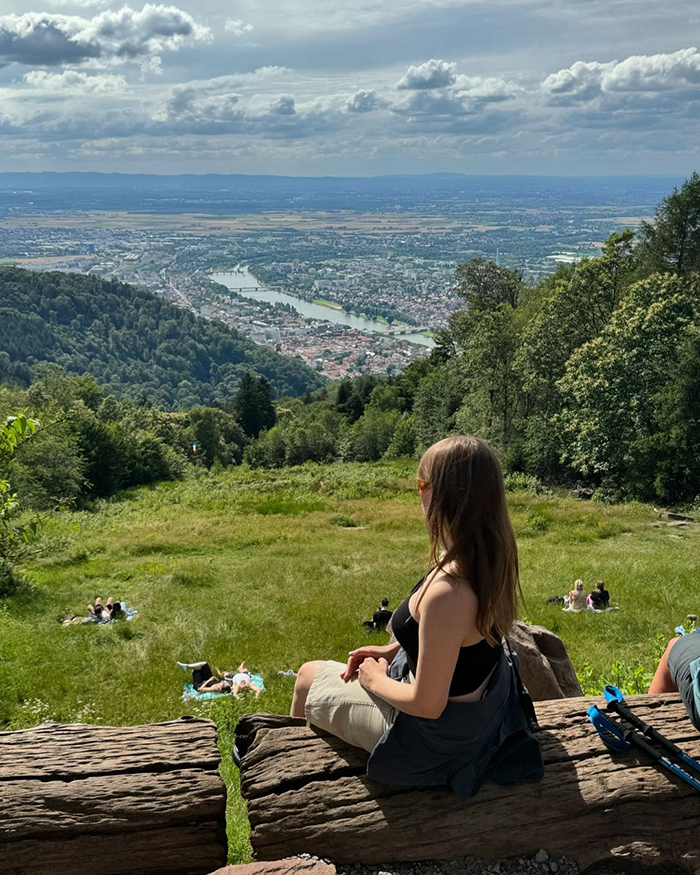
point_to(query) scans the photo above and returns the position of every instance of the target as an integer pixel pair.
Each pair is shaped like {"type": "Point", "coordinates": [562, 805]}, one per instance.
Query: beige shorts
{"type": "Point", "coordinates": [347, 710]}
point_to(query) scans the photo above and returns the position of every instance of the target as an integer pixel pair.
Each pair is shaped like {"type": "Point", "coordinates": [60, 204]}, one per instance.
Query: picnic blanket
{"type": "Point", "coordinates": [189, 694]}
{"type": "Point", "coordinates": [127, 614]}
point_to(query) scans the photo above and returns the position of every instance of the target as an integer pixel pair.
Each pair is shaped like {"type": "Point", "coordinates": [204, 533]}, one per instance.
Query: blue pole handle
{"type": "Point", "coordinates": [610, 733]}
{"type": "Point", "coordinates": [612, 694]}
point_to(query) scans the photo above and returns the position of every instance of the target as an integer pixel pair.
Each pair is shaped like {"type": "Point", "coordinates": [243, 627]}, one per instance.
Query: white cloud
{"type": "Point", "coordinates": [431, 74]}
{"type": "Point", "coordinates": [490, 89]}
{"type": "Point", "coordinates": [237, 27]}
{"type": "Point", "coordinates": [654, 72]}
{"type": "Point", "coordinates": [44, 39]}
{"type": "Point", "coordinates": [580, 81]}
{"type": "Point", "coordinates": [426, 103]}
{"type": "Point", "coordinates": [364, 101]}
{"type": "Point", "coordinates": [284, 105]}
{"type": "Point", "coordinates": [75, 81]}
{"type": "Point", "coordinates": [636, 75]}
{"type": "Point", "coordinates": [83, 4]}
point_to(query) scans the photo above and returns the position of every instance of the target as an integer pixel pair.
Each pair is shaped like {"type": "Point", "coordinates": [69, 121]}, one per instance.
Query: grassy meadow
{"type": "Point", "coordinates": [262, 566]}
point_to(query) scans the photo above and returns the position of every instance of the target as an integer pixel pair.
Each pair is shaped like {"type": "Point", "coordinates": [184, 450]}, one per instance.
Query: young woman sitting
{"type": "Point", "coordinates": [442, 704]}
{"type": "Point", "coordinates": [600, 597]}
{"type": "Point", "coordinates": [578, 597]}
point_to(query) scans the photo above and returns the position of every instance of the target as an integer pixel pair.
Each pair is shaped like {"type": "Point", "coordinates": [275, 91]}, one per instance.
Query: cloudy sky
{"type": "Point", "coordinates": [351, 87]}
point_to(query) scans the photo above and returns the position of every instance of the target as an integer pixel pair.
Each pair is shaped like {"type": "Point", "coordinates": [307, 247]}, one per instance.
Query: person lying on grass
{"type": "Point", "coordinates": [436, 705]}
{"type": "Point", "coordinates": [103, 613]}
{"type": "Point", "coordinates": [678, 671]}
{"type": "Point", "coordinates": [205, 681]}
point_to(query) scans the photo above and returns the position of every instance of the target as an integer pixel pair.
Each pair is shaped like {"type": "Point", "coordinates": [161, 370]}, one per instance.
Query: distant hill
{"type": "Point", "coordinates": [136, 344]}
{"type": "Point", "coordinates": [25, 194]}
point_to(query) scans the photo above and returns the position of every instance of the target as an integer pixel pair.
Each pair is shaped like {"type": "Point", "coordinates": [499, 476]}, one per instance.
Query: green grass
{"type": "Point", "coordinates": [262, 566]}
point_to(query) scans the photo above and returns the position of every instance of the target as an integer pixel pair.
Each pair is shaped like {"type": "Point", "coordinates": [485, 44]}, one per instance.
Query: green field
{"type": "Point", "coordinates": [258, 566]}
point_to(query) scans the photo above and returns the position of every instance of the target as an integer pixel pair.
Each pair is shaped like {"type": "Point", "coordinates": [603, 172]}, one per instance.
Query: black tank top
{"type": "Point", "coordinates": [474, 663]}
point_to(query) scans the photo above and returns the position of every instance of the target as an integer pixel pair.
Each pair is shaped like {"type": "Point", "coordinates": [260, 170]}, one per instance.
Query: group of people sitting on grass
{"type": "Point", "coordinates": [580, 600]}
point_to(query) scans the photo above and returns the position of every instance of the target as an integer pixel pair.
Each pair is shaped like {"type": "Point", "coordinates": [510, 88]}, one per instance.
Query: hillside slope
{"type": "Point", "coordinates": [133, 342]}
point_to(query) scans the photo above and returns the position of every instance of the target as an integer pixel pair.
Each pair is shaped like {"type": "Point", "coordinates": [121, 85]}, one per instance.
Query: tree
{"type": "Point", "coordinates": [372, 434]}
{"type": "Point", "coordinates": [253, 406]}
{"type": "Point", "coordinates": [612, 384]}
{"type": "Point", "coordinates": [439, 396]}
{"type": "Point", "coordinates": [486, 285]}
{"type": "Point", "coordinates": [348, 401]}
{"type": "Point", "coordinates": [487, 365]}
{"type": "Point", "coordinates": [218, 435]}
{"type": "Point", "coordinates": [102, 452]}
{"type": "Point", "coordinates": [671, 244]}
{"type": "Point", "coordinates": [672, 448]}
{"type": "Point", "coordinates": [403, 441]}
{"type": "Point", "coordinates": [577, 306]}
{"type": "Point", "coordinates": [13, 534]}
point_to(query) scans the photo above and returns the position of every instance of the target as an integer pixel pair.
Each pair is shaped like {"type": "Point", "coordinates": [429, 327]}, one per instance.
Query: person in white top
{"type": "Point", "coordinates": [578, 597]}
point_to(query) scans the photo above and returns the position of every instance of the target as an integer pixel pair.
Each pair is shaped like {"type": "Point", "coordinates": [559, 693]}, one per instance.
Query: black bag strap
{"type": "Point", "coordinates": [524, 696]}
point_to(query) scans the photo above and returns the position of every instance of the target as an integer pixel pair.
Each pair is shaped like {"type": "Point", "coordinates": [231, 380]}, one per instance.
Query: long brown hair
{"type": "Point", "coordinates": [467, 515]}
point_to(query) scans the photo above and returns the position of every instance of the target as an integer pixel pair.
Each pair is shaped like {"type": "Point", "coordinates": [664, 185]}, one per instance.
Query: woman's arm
{"type": "Point", "coordinates": [445, 617]}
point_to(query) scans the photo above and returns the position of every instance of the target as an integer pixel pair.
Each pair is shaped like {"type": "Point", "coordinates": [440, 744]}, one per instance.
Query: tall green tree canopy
{"type": "Point", "coordinates": [671, 243]}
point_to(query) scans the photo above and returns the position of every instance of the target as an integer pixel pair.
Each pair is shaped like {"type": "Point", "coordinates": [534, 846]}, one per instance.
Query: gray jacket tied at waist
{"type": "Point", "coordinates": [471, 742]}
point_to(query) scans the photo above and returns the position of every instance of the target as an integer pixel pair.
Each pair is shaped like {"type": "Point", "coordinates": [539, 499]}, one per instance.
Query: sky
{"type": "Point", "coordinates": [351, 87]}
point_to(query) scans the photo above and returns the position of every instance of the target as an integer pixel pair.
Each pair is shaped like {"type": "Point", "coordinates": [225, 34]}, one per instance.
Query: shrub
{"type": "Point", "coordinates": [519, 482]}
{"type": "Point", "coordinates": [345, 522]}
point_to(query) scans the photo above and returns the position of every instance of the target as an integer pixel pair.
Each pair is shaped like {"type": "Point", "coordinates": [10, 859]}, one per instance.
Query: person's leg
{"type": "Point", "coordinates": [192, 665]}
{"type": "Point", "coordinates": [302, 685]}
{"type": "Point", "coordinates": [201, 674]}
{"type": "Point", "coordinates": [662, 681]}
{"type": "Point", "coordinates": [346, 710]}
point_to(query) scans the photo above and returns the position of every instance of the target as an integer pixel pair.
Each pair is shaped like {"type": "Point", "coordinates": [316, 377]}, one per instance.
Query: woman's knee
{"type": "Point", "coordinates": [307, 673]}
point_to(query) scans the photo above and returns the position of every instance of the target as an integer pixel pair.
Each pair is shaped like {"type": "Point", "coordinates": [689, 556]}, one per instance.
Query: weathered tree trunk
{"type": "Point", "coordinates": [106, 800]}
{"type": "Point", "coordinates": [307, 792]}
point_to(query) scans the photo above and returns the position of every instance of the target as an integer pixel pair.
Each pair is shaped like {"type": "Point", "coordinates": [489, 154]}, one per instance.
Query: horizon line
{"type": "Point", "coordinates": [439, 174]}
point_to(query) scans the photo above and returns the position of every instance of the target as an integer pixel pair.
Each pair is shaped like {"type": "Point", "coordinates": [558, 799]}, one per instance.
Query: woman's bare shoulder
{"type": "Point", "coordinates": [445, 588]}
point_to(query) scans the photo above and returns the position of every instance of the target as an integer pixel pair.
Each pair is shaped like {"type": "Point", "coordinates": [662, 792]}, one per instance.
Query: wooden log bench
{"type": "Point", "coordinates": [307, 792]}
{"type": "Point", "coordinates": [102, 800]}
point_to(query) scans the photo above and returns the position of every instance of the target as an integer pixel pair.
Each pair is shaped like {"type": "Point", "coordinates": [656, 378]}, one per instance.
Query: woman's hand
{"type": "Point", "coordinates": [356, 657]}
{"type": "Point", "coordinates": [371, 670]}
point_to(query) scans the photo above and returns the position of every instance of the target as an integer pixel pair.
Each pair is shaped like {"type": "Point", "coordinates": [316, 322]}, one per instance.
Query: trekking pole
{"type": "Point", "coordinates": [616, 702]}
{"type": "Point", "coordinates": [619, 740]}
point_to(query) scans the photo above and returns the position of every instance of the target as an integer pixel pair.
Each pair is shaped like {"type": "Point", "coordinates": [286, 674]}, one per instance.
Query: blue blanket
{"type": "Point", "coordinates": [189, 694]}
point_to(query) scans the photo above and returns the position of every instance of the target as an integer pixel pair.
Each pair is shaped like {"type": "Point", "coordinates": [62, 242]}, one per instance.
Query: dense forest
{"type": "Point", "coordinates": [135, 344]}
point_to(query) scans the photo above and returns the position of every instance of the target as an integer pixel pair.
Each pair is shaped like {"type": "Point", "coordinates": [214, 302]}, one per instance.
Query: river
{"type": "Point", "coordinates": [241, 280]}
